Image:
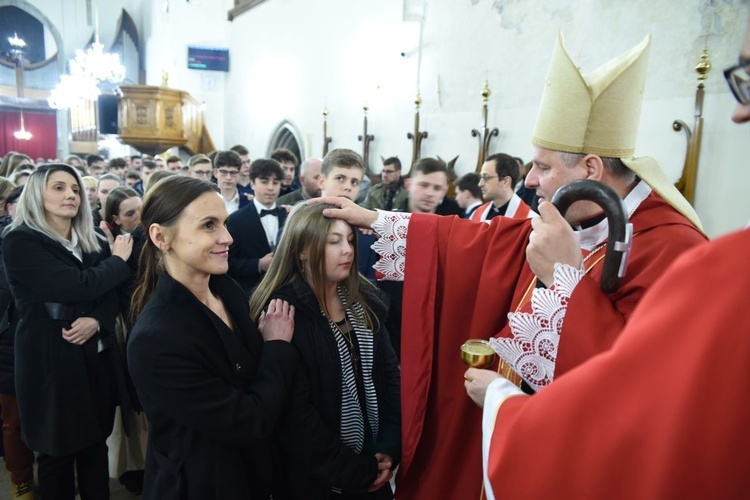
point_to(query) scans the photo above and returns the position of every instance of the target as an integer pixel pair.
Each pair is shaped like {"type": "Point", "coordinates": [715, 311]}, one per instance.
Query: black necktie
{"type": "Point", "coordinates": [389, 194]}
{"type": "Point", "coordinates": [273, 211]}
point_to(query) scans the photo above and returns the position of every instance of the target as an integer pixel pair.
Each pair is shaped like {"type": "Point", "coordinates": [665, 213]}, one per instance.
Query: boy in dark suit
{"type": "Point", "coordinates": [255, 227]}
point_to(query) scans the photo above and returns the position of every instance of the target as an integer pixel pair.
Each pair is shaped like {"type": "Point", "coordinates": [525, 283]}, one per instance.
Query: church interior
{"type": "Point", "coordinates": [457, 80]}
{"type": "Point", "coordinates": [462, 79]}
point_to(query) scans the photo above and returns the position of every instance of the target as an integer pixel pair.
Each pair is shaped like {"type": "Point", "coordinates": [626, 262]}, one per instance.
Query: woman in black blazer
{"type": "Point", "coordinates": [349, 369]}
{"type": "Point", "coordinates": [63, 279]}
{"type": "Point", "coordinates": [211, 386]}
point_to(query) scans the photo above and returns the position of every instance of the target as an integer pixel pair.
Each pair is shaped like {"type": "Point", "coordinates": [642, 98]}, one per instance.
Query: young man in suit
{"type": "Point", "coordinates": [468, 194]}
{"type": "Point", "coordinates": [255, 227]}
{"type": "Point", "coordinates": [227, 165]}
{"type": "Point", "coordinates": [497, 180]}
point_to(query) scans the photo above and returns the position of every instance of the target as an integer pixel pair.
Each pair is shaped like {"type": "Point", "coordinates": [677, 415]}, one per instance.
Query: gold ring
{"type": "Point", "coordinates": [466, 377]}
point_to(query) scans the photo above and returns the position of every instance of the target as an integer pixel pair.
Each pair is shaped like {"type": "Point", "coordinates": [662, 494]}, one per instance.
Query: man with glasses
{"type": "Point", "coordinates": [738, 78]}
{"type": "Point", "coordinates": [227, 166]}
{"type": "Point", "coordinates": [663, 414]}
{"type": "Point", "coordinates": [199, 166]}
{"type": "Point", "coordinates": [390, 193]}
{"type": "Point", "coordinates": [497, 181]}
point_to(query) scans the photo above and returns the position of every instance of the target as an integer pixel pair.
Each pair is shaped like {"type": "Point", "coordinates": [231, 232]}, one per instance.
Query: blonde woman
{"type": "Point", "coordinates": [92, 195]}
{"type": "Point", "coordinates": [64, 279]}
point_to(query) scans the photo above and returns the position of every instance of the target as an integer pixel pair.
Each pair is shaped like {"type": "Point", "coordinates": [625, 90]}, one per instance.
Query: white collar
{"type": "Point", "coordinates": [593, 236]}
{"type": "Point", "coordinates": [259, 206]}
{"type": "Point", "coordinates": [72, 244]}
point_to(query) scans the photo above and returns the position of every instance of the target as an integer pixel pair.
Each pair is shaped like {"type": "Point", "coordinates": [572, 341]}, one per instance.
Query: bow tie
{"type": "Point", "coordinates": [273, 211]}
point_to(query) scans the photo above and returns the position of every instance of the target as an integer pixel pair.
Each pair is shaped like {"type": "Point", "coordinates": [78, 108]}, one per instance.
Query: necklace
{"type": "Point", "coordinates": [346, 334]}
{"type": "Point", "coordinates": [352, 347]}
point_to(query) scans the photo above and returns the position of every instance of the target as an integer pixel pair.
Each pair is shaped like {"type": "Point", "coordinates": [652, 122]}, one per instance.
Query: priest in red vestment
{"type": "Point", "coordinates": [463, 278]}
{"type": "Point", "coordinates": [662, 414]}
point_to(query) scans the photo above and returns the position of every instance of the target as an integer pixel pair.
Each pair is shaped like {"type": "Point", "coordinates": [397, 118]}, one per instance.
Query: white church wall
{"type": "Point", "coordinates": [292, 57]}
{"type": "Point", "coordinates": [168, 34]}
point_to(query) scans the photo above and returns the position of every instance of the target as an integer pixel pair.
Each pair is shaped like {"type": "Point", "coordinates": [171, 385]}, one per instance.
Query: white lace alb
{"type": "Point", "coordinates": [532, 350]}
{"type": "Point", "coordinates": [391, 246]}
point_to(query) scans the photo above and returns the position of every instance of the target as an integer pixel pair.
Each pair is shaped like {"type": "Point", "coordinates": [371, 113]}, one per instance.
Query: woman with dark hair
{"type": "Point", "coordinates": [63, 279]}
{"type": "Point", "coordinates": [211, 385]}
{"type": "Point", "coordinates": [126, 452]}
{"type": "Point", "coordinates": [11, 203]}
{"type": "Point", "coordinates": [122, 211]}
{"type": "Point", "coordinates": [349, 368]}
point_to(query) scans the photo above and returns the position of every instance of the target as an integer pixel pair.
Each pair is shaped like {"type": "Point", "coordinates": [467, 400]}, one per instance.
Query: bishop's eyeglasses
{"type": "Point", "coordinates": [738, 78]}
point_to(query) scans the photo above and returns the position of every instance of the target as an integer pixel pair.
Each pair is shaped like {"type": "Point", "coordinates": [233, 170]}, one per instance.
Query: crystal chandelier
{"type": "Point", "coordinates": [87, 70]}
{"type": "Point", "coordinates": [98, 65]}
{"type": "Point", "coordinates": [73, 90]}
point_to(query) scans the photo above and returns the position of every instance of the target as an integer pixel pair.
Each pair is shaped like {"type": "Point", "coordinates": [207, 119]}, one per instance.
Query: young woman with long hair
{"type": "Point", "coordinates": [122, 210]}
{"type": "Point", "coordinates": [349, 368]}
{"type": "Point", "coordinates": [211, 385]}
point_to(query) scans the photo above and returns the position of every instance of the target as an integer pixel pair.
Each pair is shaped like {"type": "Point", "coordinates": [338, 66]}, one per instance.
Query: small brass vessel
{"type": "Point", "coordinates": [477, 353]}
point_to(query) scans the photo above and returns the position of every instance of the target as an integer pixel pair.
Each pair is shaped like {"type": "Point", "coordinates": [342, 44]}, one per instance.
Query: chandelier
{"type": "Point", "coordinates": [87, 70]}
{"type": "Point", "coordinates": [16, 51]}
{"type": "Point", "coordinates": [96, 64]}
{"type": "Point", "coordinates": [23, 134]}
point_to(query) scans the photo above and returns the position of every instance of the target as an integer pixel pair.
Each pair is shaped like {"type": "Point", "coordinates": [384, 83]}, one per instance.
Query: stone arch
{"type": "Point", "coordinates": [287, 136]}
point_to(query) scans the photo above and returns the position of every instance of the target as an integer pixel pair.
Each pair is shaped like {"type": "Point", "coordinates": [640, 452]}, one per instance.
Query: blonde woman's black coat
{"type": "Point", "coordinates": [58, 387]}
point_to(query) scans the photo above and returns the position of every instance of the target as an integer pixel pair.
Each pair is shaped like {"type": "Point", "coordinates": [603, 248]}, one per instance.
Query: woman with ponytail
{"type": "Point", "coordinates": [211, 383]}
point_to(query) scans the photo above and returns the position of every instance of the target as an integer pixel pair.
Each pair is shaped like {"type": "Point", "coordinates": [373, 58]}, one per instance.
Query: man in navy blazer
{"type": "Point", "coordinates": [255, 227]}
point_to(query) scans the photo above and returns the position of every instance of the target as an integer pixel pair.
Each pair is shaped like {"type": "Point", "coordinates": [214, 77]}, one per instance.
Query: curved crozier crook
{"type": "Point", "coordinates": [620, 236]}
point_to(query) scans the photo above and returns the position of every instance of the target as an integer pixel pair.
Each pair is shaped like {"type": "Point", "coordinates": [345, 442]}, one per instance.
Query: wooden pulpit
{"type": "Point", "coordinates": [153, 119]}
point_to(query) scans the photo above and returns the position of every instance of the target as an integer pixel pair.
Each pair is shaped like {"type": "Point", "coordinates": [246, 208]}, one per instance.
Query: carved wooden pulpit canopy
{"type": "Point", "coordinates": [152, 119]}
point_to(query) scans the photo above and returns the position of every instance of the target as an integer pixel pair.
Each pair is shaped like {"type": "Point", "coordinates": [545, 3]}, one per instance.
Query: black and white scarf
{"type": "Point", "coordinates": [352, 419]}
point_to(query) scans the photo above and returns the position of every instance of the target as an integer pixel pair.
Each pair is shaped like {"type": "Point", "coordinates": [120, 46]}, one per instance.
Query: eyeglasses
{"type": "Point", "coordinates": [739, 81]}
{"type": "Point", "coordinates": [228, 173]}
{"type": "Point", "coordinates": [486, 177]}
{"type": "Point", "coordinates": [202, 173]}
{"type": "Point", "coordinates": [389, 172]}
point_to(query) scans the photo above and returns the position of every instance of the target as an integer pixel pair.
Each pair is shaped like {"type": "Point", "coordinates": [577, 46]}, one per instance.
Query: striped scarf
{"type": "Point", "coordinates": [352, 420]}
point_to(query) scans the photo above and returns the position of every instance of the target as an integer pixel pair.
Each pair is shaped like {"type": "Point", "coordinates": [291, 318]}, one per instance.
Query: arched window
{"type": "Point", "coordinates": [287, 136]}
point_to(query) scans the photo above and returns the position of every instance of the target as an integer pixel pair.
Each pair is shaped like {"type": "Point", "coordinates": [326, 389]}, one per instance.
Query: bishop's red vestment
{"type": "Point", "coordinates": [662, 414]}
{"type": "Point", "coordinates": [463, 279]}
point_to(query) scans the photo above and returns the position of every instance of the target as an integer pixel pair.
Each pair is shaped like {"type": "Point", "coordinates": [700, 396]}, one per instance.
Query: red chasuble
{"type": "Point", "coordinates": [462, 279]}
{"type": "Point", "coordinates": [663, 414]}
{"type": "Point", "coordinates": [451, 293]}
